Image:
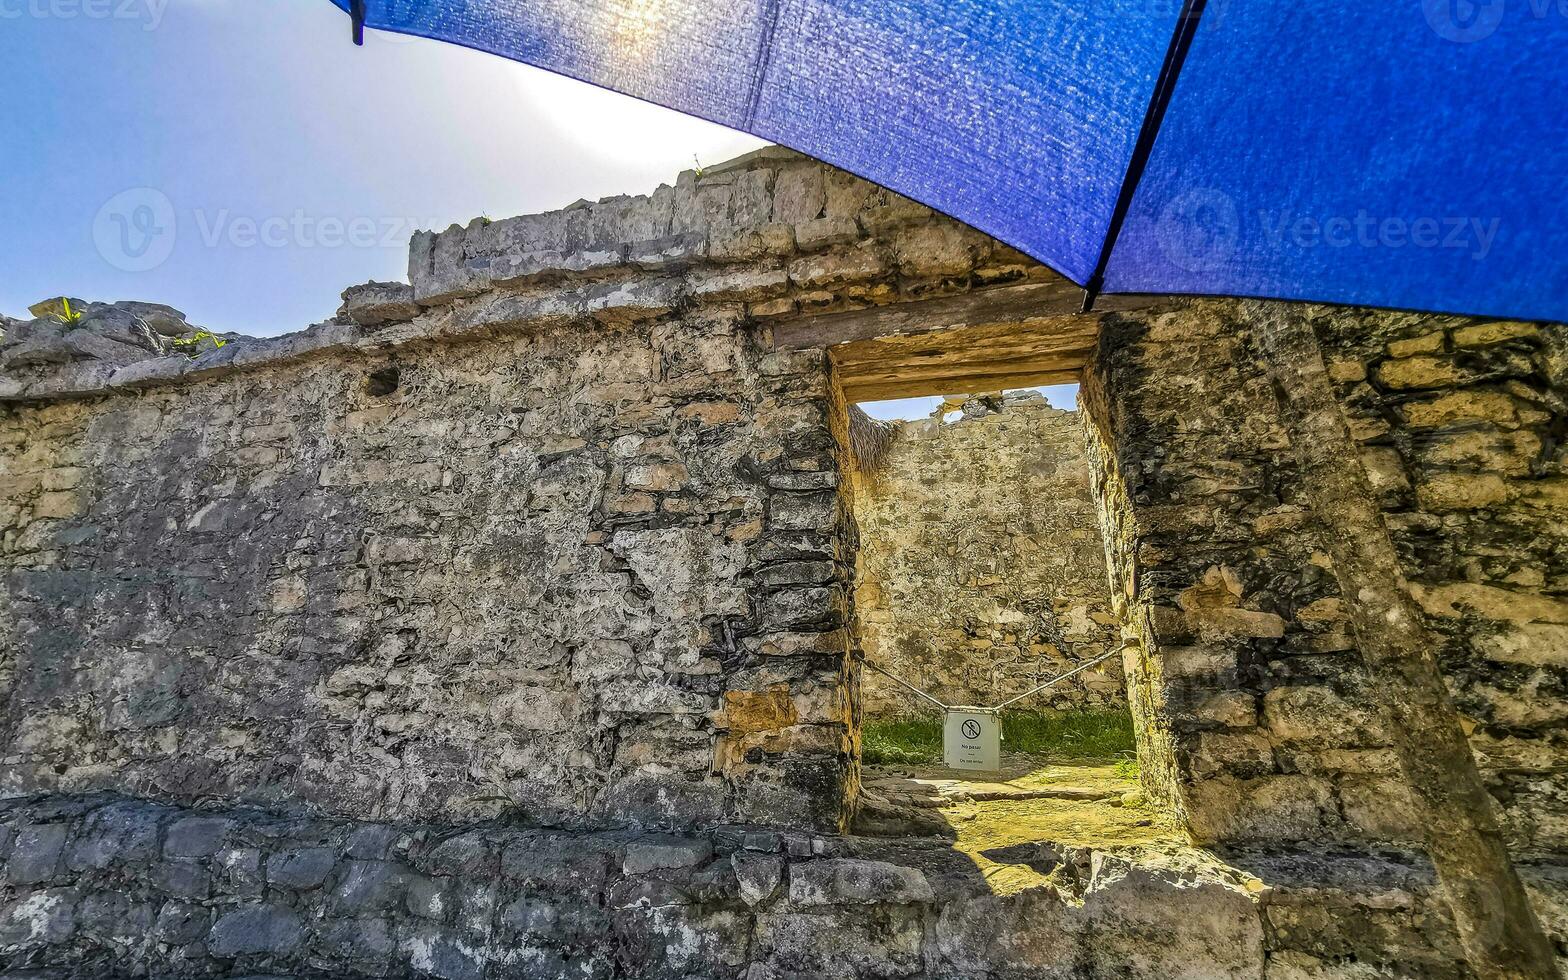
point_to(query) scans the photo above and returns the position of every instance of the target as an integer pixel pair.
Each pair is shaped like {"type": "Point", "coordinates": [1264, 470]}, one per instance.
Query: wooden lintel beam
{"type": "Point", "coordinates": [936, 369]}
{"type": "Point", "coordinates": [1016, 339]}
{"type": "Point", "coordinates": [1056, 297]}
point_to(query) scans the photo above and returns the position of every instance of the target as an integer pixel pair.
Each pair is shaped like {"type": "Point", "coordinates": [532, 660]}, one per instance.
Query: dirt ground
{"type": "Point", "coordinates": [995, 819]}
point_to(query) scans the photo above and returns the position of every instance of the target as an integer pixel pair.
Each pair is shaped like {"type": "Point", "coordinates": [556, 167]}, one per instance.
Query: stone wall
{"type": "Point", "coordinates": [529, 574]}
{"type": "Point", "coordinates": [553, 535]}
{"type": "Point", "coordinates": [1256, 717]}
{"type": "Point", "coordinates": [100, 887]}
{"type": "Point", "coordinates": [981, 571]}
{"type": "Point", "coordinates": [548, 531]}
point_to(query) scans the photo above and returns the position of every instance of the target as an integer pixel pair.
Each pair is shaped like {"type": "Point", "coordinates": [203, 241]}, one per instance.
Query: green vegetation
{"type": "Point", "coordinates": [69, 316]}
{"type": "Point", "coordinates": [901, 741]}
{"type": "Point", "coordinates": [1098, 736]}
{"type": "Point", "coordinates": [197, 343]}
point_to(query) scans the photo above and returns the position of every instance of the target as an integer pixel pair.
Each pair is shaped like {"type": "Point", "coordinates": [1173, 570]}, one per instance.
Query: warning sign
{"type": "Point", "coordinates": [972, 739]}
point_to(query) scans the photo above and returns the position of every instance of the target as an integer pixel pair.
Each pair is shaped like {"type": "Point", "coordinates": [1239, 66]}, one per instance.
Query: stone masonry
{"type": "Point", "coordinates": [437, 585]}
{"type": "Point", "coordinates": [102, 886]}
{"type": "Point", "coordinates": [1255, 716]}
{"type": "Point", "coordinates": [981, 572]}
{"type": "Point", "coordinates": [500, 626]}
{"type": "Point", "coordinates": [550, 531]}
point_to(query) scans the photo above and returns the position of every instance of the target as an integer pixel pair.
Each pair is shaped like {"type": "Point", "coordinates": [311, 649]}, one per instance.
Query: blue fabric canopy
{"type": "Point", "coordinates": [1400, 153]}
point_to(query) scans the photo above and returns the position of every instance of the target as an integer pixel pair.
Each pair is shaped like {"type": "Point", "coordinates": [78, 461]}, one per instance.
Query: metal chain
{"type": "Point", "coordinates": [1063, 677]}
{"type": "Point", "coordinates": [903, 683]}
{"type": "Point", "coordinates": [1032, 691]}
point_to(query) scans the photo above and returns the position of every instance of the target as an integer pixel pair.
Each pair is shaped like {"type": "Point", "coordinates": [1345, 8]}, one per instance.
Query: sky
{"type": "Point", "coordinates": [242, 161]}
{"type": "Point", "coordinates": [1060, 396]}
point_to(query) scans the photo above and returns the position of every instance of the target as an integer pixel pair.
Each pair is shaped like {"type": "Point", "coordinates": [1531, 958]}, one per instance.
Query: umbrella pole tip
{"type": "Point", "coordinates": [1091, 289]}
{"type": "Point", "coordinates": [356, 12]}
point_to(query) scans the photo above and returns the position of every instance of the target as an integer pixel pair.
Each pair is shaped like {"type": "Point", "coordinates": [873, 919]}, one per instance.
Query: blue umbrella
{"type": "Point", "coordinates": [1398, 153]}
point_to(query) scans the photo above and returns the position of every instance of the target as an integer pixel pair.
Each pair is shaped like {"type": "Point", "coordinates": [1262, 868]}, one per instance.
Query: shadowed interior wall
{"type": "Point", "coordinates": [981, 570]}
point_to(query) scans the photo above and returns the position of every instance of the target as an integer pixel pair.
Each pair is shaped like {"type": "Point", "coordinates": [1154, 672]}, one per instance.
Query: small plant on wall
{"type": "Point", "coordinates": [197, 343]}
{"type": "Point", "coordinates": [68, 316]}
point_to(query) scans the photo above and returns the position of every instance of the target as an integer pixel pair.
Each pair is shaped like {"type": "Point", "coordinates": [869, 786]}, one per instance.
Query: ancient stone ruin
{"type": "Point", "coordinates": [507, 624]}
{"type": "Point", "coordinates": [981, 569]}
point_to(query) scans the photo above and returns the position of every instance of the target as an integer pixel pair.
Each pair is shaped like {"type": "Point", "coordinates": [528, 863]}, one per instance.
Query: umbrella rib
{"type": "Point", "coordinates": [1159, 99]}
{"type": "Point", "coordinates": [763, 63]}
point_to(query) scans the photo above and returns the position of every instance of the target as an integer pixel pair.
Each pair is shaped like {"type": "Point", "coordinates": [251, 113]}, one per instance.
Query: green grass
{"type": "Point", "coordinates": [1098, 736]}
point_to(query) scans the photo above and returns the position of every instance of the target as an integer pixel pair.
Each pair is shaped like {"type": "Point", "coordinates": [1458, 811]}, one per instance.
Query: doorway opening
{"type": "Point", "coordinates": [980, 577]}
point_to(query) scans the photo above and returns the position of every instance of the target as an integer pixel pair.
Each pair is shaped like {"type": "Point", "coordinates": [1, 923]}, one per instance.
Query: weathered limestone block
{"type": "Point", "coordinates": [891, 213]}
{"type": "Point", "coordinates": [751, 201]}
{"type": "Point", "coordinates": [757, 876]}
{"type": "Point", "coordinates": [852, 882]}
{"type": "Point", "coordinates": [1316, 714]}
{"type": "Point", "coordinates": [111, 334]}
{"type": "Point", "coordinates": [375, 303]}
{"type": "Point", "coordinates": [671, 252]}
{"type": "Point", "coordinates": [435, 268]}
{"type": "Point", "coordinates": [260, 930]}
{"type": "Point", "coordinates": [648, 855]}
{"type": "Point", "coordinates": [742, 286]}
{"type": "Point", "coordinates": [936, 249]}
{"type": "Point", "coordinates": [839, 268]}
{"type": "Point", "coordinates": [628, 218]}
{"type": "Point", "coordinates": [821, 233]}
{"type": "Point", "coordinates": [799, 194]}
